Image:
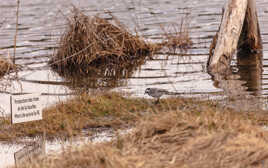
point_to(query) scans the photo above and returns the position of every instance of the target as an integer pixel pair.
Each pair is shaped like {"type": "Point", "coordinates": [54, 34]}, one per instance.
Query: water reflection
{"type": "Point", "coordinates": [242, 84]}
{"type": "Point", "coordinates": [250, 70]}
{"type": "Point", "coordinates": [41, 24]}
{"type": "Point", "coordinates": [243, 79]}
{"type": "Point", "coordinates": [107, 76]}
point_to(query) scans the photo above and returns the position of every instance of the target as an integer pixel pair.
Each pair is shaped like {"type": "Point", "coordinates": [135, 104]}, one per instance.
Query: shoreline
{"type": "Point", "coordinates": [174, 130]}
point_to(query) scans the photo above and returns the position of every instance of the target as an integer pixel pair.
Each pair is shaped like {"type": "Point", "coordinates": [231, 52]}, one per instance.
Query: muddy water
{"type": "Point", "coordinates": [42, 22]}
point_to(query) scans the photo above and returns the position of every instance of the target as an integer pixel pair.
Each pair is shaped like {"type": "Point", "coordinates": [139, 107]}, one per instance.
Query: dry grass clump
{"type": "Point", "coordinates": [90, 43]}
{"type": "Point", "coordinates": [196, 134]}
{"type": "Point", "coordinates": [177, 36]}
{"type": "Point", "coordinates": [5, 67]}
{"type": "Point", "coordinates": [102, 52]}
{"type": "Point", "coordinates": [94, 47]}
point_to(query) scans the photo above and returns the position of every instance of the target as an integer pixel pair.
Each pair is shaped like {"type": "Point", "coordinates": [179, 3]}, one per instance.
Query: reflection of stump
{"type": "Point", "coordinates": [239, 28]}
{"type": "Point", "coordinates": [249, 55]}
{"type": "Point", "coordinates": [250, 70]}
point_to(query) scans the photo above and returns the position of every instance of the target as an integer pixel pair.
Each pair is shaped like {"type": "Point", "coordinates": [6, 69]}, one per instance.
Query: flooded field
{"type": "Point", "coordinates": [41, 24]}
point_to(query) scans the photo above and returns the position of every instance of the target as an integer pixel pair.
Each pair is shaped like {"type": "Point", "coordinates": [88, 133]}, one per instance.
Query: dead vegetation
{"type": "Point", "coordinates": [94, 47]}
{"type": "Point", "coordinates": [5, 67]}
{"type": "Point", "coordinates": [90, 43]}
{"type": "Point", "coordinates": [177, 36]}
{"type": "Point", "coordinates": [195, 134]}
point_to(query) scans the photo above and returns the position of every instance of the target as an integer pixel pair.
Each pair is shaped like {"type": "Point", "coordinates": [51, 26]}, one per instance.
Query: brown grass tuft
{"type": "Point", "coordinates": [99, 49]}
{"type": "Point", "coordinates": [177, 36]}
{"type": "Point", "coordinates": [5, 67]}
{"type": "Point", "coordinates": [91, 43]}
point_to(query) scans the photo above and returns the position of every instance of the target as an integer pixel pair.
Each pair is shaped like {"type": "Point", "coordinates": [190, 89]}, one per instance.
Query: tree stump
{"type": "Point", "coordinates": [239, 29]}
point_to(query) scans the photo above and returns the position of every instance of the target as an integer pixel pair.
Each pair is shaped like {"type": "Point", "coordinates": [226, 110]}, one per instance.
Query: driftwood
{"type": "Point", "coordinates": [239, 30]}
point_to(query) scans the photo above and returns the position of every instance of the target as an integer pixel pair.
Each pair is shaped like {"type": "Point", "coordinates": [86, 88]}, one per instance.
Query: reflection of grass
{"type": "Point", "coordinates": [106, 76]}
{"type": "Point", "coordinates": [181, 133]}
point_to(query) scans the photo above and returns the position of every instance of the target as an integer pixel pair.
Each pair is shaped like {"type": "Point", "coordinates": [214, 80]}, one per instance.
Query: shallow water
{"type": "Point", "coordinates": [42, 22]}
{"type": "Point", "coordinates": [58, 146]}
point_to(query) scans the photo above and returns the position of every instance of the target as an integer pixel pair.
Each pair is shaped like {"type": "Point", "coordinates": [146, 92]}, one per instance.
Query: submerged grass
{"type": "Point", "coordinates": [189, 133]}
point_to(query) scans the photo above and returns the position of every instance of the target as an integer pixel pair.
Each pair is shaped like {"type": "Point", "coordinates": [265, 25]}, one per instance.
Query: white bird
{"type": "Point", "coordinates": [156, 93]}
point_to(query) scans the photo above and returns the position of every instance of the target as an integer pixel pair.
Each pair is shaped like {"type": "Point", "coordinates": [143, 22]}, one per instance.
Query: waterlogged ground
{"type": "Point", "coordinates": [56, 147]}
{"type": "Point", "coordinates": [42, 22]}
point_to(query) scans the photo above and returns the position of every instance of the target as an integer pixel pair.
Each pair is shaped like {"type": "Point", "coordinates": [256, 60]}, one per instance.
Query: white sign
{"type": "Point", "coordinates": [25, 108]}
{"type": "Point", "coordinates": [29, 152]}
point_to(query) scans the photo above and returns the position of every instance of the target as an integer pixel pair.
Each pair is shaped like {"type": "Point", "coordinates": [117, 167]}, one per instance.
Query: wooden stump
{"type": "Point", "coordinates": [239, 29]}
{"type": "Point", "coordinates": [250, 38]}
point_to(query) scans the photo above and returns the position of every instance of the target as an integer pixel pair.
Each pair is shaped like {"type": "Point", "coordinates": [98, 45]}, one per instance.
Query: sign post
{"type": "Point", "coordinates": [25, 108]}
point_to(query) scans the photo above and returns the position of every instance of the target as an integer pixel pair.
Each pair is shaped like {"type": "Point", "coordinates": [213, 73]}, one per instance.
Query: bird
{"type": "Point", "coordinates": [156, 93]}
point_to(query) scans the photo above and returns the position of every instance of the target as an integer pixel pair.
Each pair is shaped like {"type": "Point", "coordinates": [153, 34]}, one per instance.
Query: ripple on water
{"type": "Point", "coordinates": [42, 22]}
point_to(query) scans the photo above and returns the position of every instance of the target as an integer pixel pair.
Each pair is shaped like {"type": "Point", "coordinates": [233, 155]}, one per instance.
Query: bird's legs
{"type": "Point", "coordinates": [157, 101]}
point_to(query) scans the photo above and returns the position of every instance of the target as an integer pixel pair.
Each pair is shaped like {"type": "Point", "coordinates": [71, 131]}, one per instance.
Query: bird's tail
{"type": "Point", "coordinates": [173, 93]}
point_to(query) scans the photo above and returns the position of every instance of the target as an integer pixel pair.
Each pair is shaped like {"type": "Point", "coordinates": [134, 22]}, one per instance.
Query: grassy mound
{"type": "Point", "coordinates": [90, 43]}
{"type": "Point", "coordinates": [194, 134]}
{"type": "Point", "coordinates": [70, 117]}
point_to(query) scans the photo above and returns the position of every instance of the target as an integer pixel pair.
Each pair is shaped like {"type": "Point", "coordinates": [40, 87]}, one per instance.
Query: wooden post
{"type": "Point", "coordinates": [16, 33]}
{"type": "Point", "coordinates": [239, 30]}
